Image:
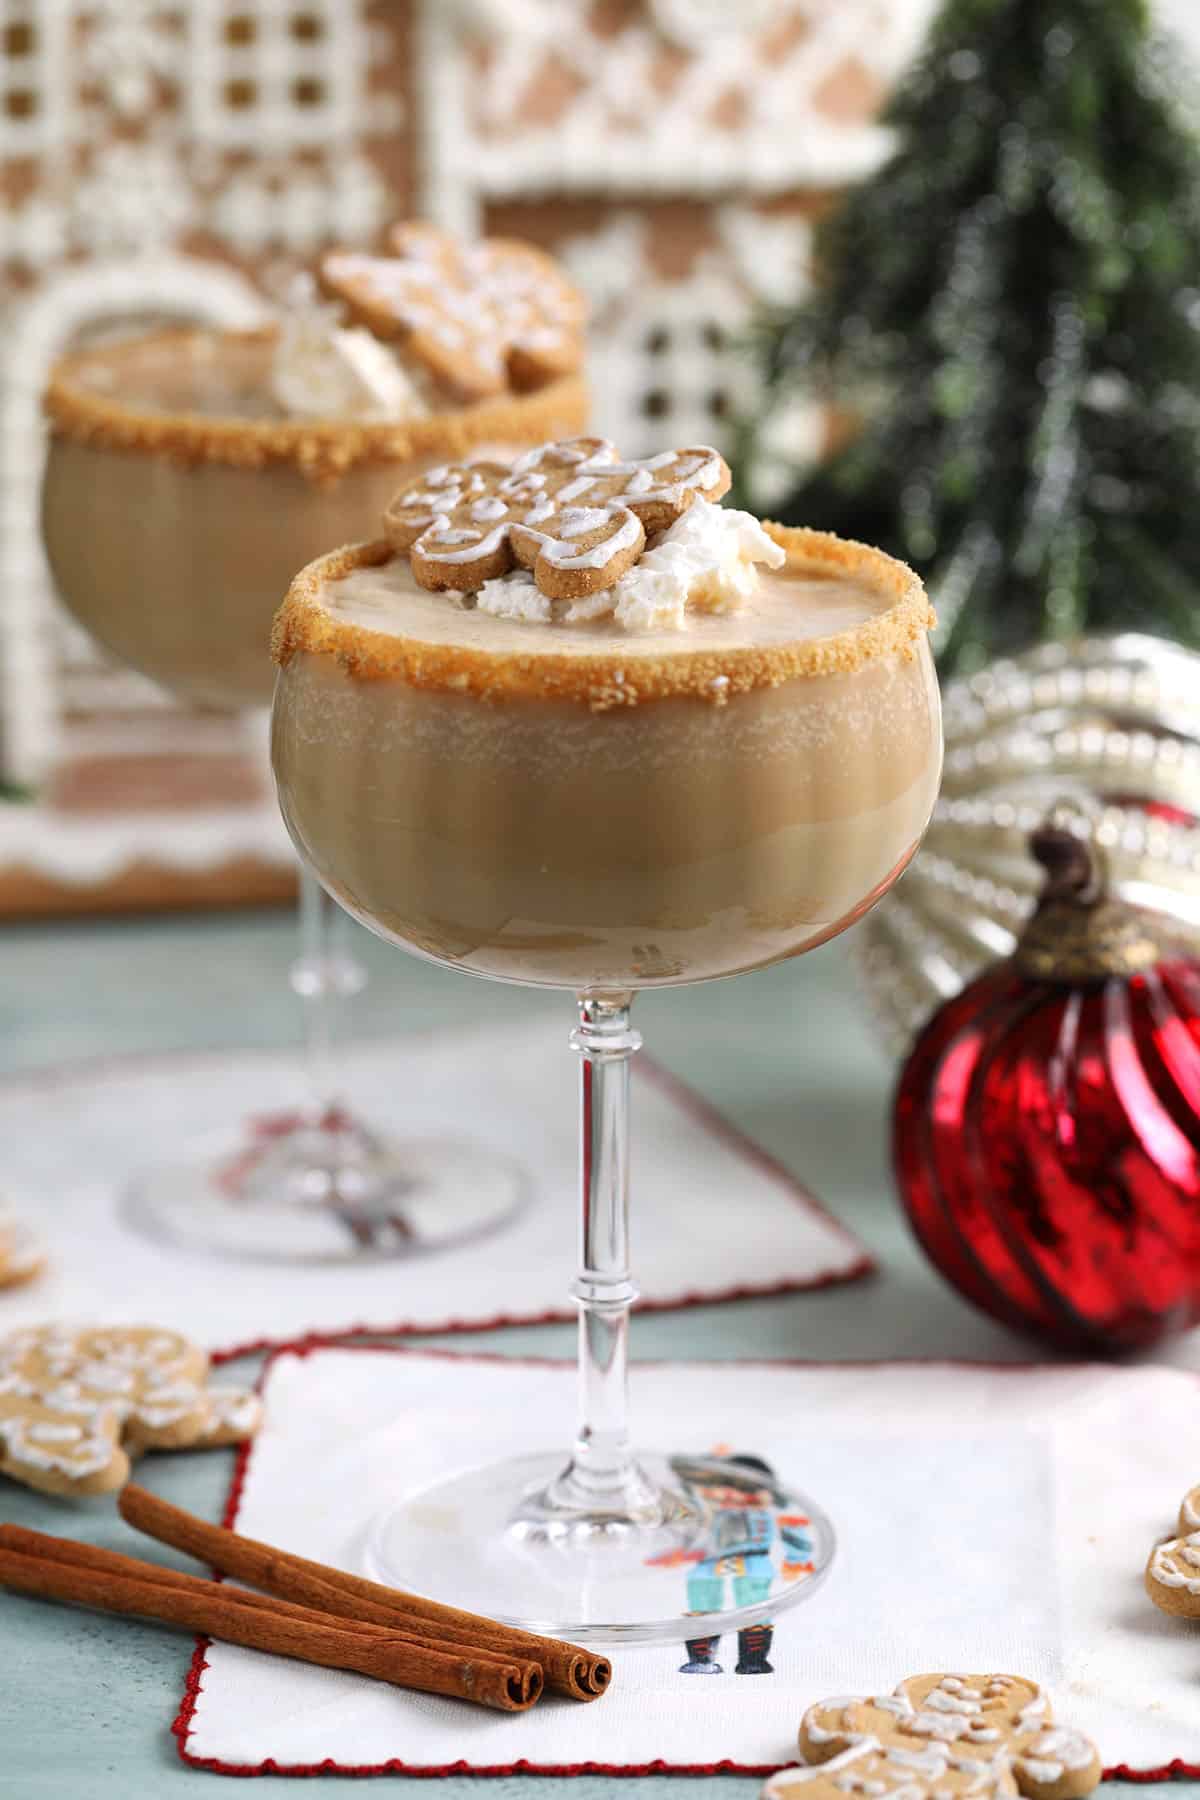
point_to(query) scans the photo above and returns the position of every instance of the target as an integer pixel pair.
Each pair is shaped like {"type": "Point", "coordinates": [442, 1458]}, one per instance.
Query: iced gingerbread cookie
{"type": "Point", "coordinates": [572, 512]}
{"type": "Point", "coordinates": [77, 1404]}
{"type": "Point", "coordinates": [21, 1256]}
{"type": "Point", "coordinates": [475, 318]}
{"type": "Point", "coordinates": [938, 1737]}
{"type": "Point", "coordinates": [1173, 1571]}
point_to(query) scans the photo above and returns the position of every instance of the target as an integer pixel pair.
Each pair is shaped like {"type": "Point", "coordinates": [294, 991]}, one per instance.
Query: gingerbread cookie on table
{"type": "Point", "coordinates": [1173, 1571]}
{"type": "Point", "coordinates": [76, 1404]}
{"type": "Point", "coordinates": [21, 1256]}
{"type": "Point", "coordinates": [939, 1737]}
{"type": "Point", "coordinates": [572, 512]}
{"type": "Point", "coordinates": [473, 318]}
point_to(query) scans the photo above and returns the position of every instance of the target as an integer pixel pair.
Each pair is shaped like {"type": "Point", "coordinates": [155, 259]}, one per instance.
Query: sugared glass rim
{"type": "Point", "coordinates": [620, 676]}
{"type": "Point", "coordinates": [320, 448]}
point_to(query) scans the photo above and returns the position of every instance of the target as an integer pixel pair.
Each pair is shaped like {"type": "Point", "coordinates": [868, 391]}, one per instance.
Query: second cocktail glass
{"type": "Point", "coordinates": [177, 505]}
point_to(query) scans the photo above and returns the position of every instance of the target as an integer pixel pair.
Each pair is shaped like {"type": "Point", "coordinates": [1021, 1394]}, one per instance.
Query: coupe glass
{"type": "Point", "coordinates": [532, 838]}
{"type": "Point", "coordinates": [176, 505]}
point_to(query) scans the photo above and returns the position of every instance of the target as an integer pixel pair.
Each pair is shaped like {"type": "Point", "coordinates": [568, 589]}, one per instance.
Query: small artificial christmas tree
{"type": "Point", "coordinates": [1010, 310]}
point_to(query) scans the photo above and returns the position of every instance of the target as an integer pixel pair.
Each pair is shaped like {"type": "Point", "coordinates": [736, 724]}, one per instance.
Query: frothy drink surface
{"type": "Point", "coordinates": [536, 837]}
{"type": "Point", "coordinates": [179, 501]}
{"type": "Point", "coordinates": [218, 374]}
{"type": "Point", "coordinates": [787, 607]}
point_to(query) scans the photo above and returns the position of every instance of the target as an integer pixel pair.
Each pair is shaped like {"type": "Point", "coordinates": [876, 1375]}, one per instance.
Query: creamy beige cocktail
{"type": "Point", "coordinates": [190, 474]}
{"type": "Point", "coordinates": [581, 805]}
{"type": "Point", "coordinates": [180, 498]}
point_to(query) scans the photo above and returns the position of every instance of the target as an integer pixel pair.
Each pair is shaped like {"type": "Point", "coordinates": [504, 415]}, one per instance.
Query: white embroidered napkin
{"type": "Point", "coordinates": [714, 1218]}
{"type": "Point", "coordinates": [988, 1520]}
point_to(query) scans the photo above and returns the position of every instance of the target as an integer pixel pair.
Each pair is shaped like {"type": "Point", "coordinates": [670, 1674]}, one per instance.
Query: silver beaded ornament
{"type": "Point", "coordinates": [1102, 731]}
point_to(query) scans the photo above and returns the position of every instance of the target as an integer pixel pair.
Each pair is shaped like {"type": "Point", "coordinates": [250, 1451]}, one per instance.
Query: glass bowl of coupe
{"type": "Point", "coordinates": [574, 724]}
{"type": "Point", "coordinates": [190, 474]}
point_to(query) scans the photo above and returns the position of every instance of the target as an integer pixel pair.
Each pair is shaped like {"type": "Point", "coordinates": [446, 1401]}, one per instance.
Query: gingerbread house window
{"type": "Point", "coordinates": [33, 96]}
{"type": "Point", "coordinates": [280, 75]}
{"type": "Point", "coordinates": [671, 364]}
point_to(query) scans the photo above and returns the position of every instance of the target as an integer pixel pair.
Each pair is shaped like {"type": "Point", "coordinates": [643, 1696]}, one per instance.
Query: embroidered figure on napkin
{"type": "Point", "coordinates": [745, 1524]}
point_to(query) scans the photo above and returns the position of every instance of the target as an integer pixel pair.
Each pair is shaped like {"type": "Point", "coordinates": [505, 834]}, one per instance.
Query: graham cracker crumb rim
{"type": "Point", "coordinates": [606, 679]}
{"type": "Point", "coordinates": [320, 447]}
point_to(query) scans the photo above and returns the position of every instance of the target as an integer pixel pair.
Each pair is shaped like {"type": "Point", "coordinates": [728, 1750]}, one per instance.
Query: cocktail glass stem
{"type": "Point", "coordinates": [315, 1182]}
{"type": "Point", "coordinates": [603, 1489]}
{"type": "Point", "coordinates": [325, 974]}
{"type": "Point", "coordinates": [332, 1160]}
{"type": "Point", "coordinates": [606, 1546]}
{"type": "Point", "coordinates": [602, 1474]}
{"type": "Point", "coordinates": [328, 1158]}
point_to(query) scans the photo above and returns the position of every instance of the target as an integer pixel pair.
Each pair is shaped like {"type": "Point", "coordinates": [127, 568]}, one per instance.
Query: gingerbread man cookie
{"type": "Point", "coordinates": [77, 1404]}
{"type": "Point", "coordinates": [573, 512]}
{"type": "Point", "coordinates": [939, 1737]}
{"type": "Point", "coordinates": [21, 1256]}
{"type": "Point", "coordinates": [1173, 1571]}
{"type": "Point", "coordinates": [476, 318]}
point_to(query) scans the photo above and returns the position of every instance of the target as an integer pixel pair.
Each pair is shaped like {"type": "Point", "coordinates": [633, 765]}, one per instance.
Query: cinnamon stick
{"type": "Point", "coordinates": [282, 1630]}
{"type": "Point", "coordinates": [75, 1554]}
{"type": "Point", "coordinates": [111, 1562]}
{"type": "Point", "coordinates": [568, 1669]}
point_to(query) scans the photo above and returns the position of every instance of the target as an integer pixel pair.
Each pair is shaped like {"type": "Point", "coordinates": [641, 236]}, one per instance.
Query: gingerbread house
{"type": "Point", "coordinates": [183, 159]}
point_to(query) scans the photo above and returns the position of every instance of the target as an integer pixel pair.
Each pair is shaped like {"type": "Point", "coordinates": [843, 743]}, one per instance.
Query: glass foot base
{"type": "Point", "coordinates": [324, 1191]}
{"type": "Point", "coordinates": [724, 1545]}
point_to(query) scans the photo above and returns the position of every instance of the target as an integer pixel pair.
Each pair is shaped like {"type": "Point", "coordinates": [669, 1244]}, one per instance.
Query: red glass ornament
{"type": "Point", "coordinates": [1046, 1131]}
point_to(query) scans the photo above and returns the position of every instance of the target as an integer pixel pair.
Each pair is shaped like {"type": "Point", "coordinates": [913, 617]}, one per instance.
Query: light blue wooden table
{"type": "Point", "coordinates": [789, 1054]}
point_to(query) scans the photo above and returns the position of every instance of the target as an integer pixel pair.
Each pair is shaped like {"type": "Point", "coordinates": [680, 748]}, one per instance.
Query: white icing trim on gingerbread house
{"type": "Point", "coordinates": [451, 193]}
{"type": "Point", "coordinates": [620, 134]}
{"type": "Point", "coordinates": [77, 851]}
{"type": "Point", "coordinates": [294, 80]}
{"type": "Point", "coordinates": [181, 286]}
{"type": "Point", "coordinates": [664, 355]}
{"type": "Point", "coordinates": [665, 366]}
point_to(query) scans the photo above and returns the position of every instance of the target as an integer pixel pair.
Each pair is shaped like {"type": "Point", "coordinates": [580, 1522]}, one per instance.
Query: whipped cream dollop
{"type": "Point", "coordinates": [705, 561]}
{"type": "Point", "coordinates": [324, 370]}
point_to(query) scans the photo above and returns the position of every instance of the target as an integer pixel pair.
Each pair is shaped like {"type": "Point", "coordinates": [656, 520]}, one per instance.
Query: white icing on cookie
{"type": "Point", "coordinates": [62, 1448]}
{"type": "Point", "coordinates": [941, 1738]}
{"type": "Point", "coordinates": [1163, 1569]}
{"type": "Point", "coordinates": [574, 507]}
{"type": "Point", "coordinates": [812, 1726]}
{"type": "Point", "coordinates": [1053, 1752]}
{"type": "Point", "coordinates": [954, 1700]}
{"type": "Point", "coordinates": [232, 1411]}
{"type": "Point", "coordinates": [67, 1397]}
{"type": "Point", "coordinates": [936, 1725]}
{"type": "Point", "coordinates": [464, 307]}
{"type": "Point", "coordinates": [704, 562]}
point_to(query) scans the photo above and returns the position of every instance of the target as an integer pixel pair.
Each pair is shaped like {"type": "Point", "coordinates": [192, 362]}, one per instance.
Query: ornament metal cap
{"type": "Point", "coordinates": [1077, 932]}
